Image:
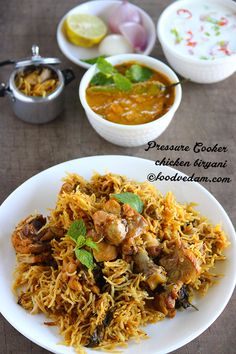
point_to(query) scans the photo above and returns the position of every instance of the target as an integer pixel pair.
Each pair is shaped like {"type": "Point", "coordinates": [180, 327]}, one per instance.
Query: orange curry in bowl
{"type": "Point", "coordinates": [145, 95]}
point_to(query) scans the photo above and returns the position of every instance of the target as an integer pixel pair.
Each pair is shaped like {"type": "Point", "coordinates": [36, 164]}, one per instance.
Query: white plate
{"type": "Point", "coordinates": [40, 192]}
{"type": "Point", "coordinates": [101, 8]}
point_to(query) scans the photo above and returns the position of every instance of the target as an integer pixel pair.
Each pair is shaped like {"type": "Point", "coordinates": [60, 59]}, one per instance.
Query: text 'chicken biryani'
{"type": "Point", "coordinates": [112, 256]}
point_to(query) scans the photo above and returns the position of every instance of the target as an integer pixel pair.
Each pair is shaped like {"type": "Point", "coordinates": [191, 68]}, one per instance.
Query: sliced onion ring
{"type": "Point", "coordinates": [135, 34]}
{"type": "Point", "coordinates": [125, 12]}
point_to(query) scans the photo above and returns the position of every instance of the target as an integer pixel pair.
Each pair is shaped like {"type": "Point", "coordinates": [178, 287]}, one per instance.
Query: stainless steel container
{"type": "Point", "coordinates": [33, 109]}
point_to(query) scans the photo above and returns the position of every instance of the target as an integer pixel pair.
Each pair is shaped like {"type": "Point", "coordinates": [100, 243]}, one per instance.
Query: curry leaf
{"type": "Point", "coordinates": [122, 83]}
{"type": "Point", "coordinates": [85, 257]}
{"type": "Point", "coordinates": [138, 73]}
{"type": "Point", "coordinates": [130, 198]}
{"type": "Point", "coordinates": [76, 229]}
{"type": "Point", "coordinates": [90, 243]}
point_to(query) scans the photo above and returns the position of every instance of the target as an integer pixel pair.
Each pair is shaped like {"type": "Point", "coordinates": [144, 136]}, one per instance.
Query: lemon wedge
{"type": "Point", "coordinates": [84, 30]}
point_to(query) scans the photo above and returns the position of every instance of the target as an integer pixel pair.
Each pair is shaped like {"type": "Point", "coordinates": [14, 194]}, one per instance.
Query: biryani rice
{"type": "Point", "coordinates": [69, 296]}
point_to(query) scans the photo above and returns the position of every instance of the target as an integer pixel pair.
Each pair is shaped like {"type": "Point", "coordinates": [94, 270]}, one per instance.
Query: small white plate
{"type": "Point", "coordinates": [40, 193]}
{"type": "Point", "coordinates": [103, 9]}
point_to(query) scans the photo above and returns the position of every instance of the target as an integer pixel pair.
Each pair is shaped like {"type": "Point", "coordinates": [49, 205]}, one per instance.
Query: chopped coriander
{"type": "Point", "coordinates": [221, 43]}
{"type": "Point", "coordinates": [203, 57]}
{"type": "Point", "coordinates": [178, 38]}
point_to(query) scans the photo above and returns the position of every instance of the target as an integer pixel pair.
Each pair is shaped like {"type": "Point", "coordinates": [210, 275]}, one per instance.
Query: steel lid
{"type": "Point", "coordinates": [36, 59]}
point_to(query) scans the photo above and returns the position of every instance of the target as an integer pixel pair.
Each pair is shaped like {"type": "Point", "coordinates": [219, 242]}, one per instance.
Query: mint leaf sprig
{"type": "Point", "coordinates": [76, 229]}
{"type": "Point", "coordinates": [109, 75]}
{"type": "Point", "coordinates": [130, 198]}
{"type": "Point", "coordinates": [105, 67]}
{"type": "Point", "coordinates": [92, 61]}
{"type": "Point", "coordinates": [77, 232]}
{"type": "Point", "coordinates": [137, 73]}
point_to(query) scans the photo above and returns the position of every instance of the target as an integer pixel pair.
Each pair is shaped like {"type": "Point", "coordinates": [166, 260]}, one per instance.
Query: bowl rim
{"type": "Point", "coordinates": [121, 58]}
{"type": "Point", "coordinates": [151, 39]}
{"type": "Point", "coordinates": [160, 30]}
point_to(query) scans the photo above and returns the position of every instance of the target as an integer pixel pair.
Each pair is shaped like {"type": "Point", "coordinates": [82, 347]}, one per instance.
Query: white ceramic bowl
{"type": "Point", "coordinates": [103, 9]}
{"type": "Point", "coordinates": [127, 135]}
{"type": "Point", "coordinates": [197, 70]}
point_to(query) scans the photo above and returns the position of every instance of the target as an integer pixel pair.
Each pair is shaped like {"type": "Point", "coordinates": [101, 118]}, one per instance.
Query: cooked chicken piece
{"type": "Point", "coordinates": [165, 301]}
{"type": "Point", "coordinates": [155, 274]}
{"type": "Point", "coordinates": [181, 265]}
{"type": "Point", "coordinates": [25, 239]}
{"type": "Point", "coordinates": [113, 207]}
{"type": "Point", "coordinates": [28, 238]}
{"type": "Point", "coordinates": [117, 230]}
{"type": "Point", "coordinates": [105, 252]}
{"type": "Point", "coordinates": [129, 247]}
{"type": "Point", "coordinates": [34, 258]}
{"type": "Point", "coordinates": [152, 245]}
{"type": "Point", "coordinates": [44, 75]}
{"type": "Point", "coordinates": [110, 226]}
{"type": "Point", "coordinates": [136, 225]}
{"type": "Point", "coordinates": [135, 221]}
{"type": "Point", "coordinates": [51, 232]}
{"type": "Point", "coordinates": [67, 188]}
{"type": "Point", "coordinates": [96, 238]}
